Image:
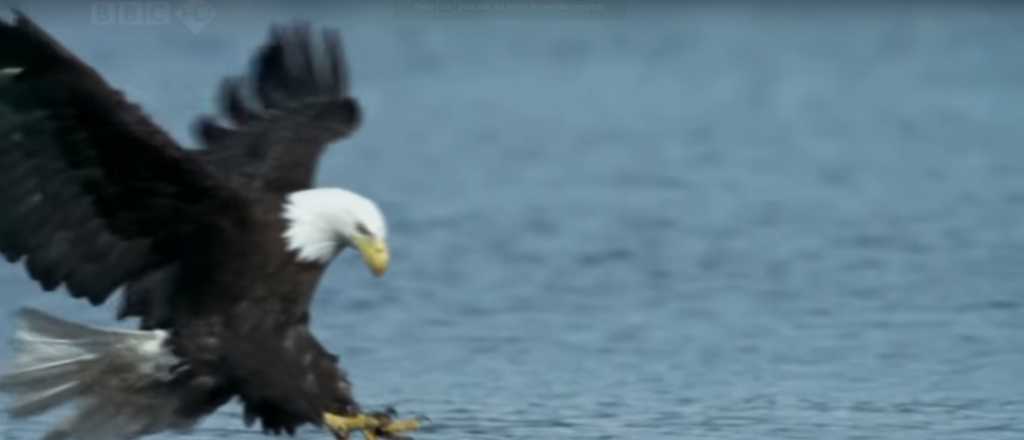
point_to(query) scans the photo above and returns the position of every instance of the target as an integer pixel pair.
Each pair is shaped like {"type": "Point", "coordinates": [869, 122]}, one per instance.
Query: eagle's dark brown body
{"type": "Point", "coordinates": [99, 198]}
{"type": "Point", "coordinates": [240, 317]}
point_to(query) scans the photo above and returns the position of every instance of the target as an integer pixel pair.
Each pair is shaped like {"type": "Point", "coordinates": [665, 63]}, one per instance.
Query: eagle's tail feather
{"type": "Point", "coordinates": [44, 375]}
{"type": "Point", "coordinates": [52, 357]}
{"type": "Point", "coordinates": [118, 379]}
{"type": "Point", "coordinates": [38, 402]}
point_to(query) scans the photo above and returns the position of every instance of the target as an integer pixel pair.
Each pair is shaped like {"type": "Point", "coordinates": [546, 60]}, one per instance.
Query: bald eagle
{"type": "Point", "coordinates": [216, 250]}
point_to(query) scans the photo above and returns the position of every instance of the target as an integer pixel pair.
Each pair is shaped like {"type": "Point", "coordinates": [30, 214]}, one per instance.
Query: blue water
{"type": "Point", "coordinates": [652, 222]}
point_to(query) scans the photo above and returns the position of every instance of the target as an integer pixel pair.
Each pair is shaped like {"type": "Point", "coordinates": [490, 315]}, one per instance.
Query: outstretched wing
{"type": "Point", "coordinates": [282, 115]}
{"type": "Point", "coordinates": [94, 194]}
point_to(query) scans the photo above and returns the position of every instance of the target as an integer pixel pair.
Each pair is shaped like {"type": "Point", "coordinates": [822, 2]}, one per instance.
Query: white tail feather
{"type": "Point", "coordinates": [114, 377]}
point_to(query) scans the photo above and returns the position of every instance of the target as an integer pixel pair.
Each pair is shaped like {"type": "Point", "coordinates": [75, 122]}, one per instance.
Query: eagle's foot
{"type": "Point", "coordinates": [374, 426]}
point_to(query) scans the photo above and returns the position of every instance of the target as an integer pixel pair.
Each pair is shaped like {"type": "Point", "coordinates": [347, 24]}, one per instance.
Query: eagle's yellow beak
{"type": "Point", "coordinates": [375, 253]}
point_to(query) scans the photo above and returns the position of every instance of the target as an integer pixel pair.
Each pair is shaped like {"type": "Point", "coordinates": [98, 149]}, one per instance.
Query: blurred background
{"type": "Point", "coordinates": [618, 220]}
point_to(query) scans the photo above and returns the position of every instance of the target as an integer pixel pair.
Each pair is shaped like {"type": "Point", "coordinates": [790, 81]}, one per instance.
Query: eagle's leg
{"type": "Point", "coordinates": [373, 425]}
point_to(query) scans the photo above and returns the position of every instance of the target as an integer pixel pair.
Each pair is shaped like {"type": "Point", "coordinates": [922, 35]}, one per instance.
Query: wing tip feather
{"type": "Point", "coordinates": [286, 73]}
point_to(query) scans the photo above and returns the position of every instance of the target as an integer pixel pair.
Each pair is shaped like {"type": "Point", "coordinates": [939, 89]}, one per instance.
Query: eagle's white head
{"type": "Point", "coordinates": [321, 222]}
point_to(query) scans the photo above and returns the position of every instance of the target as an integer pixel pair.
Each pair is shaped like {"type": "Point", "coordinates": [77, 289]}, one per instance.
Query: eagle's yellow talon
{"type": "Point", "coordinates": [357, 422]}
{"type": "Point", "coordinates": [400, 426]}
{"type": "Point", "coordinates": [369, 425]}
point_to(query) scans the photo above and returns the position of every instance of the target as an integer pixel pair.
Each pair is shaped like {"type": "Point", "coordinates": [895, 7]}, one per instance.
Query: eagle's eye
{"type": "Point", "coordinates": [362, 229]}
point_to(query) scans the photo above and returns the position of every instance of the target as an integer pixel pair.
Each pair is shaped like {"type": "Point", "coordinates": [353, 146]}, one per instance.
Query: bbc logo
{"type": "Point", "coordinates": [194, 14]}
{"type": "Point", "coordinates": [131, 13]}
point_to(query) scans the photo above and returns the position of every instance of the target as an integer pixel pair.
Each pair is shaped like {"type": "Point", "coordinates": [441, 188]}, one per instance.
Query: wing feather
{"type": "Point", "coordinates": [91, 181]}
{"type": "Point", "coordinates": [278, 120]}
